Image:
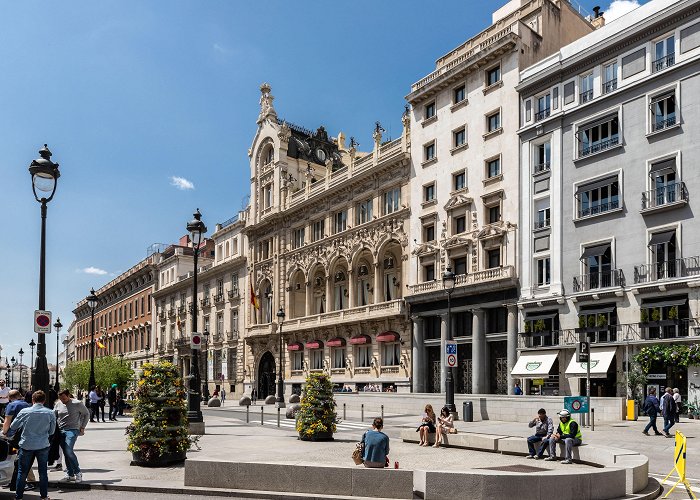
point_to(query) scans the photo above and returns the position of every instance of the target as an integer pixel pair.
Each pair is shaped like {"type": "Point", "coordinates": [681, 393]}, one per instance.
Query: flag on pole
{"type": "Point", "coordinates": [101, 345]}
{"type": "Point", "coordinates": [253, 298]}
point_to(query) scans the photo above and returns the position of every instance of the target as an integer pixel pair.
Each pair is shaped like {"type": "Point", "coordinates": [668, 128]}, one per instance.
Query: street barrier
{"type": "Point", "coordinates": [679, 465]}
{"type": "Point", "coordinates": [262, 414]}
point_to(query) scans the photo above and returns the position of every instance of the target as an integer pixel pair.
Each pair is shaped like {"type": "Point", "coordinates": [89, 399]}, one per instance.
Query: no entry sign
{"type": "Point", "coordinates": [42, 321]}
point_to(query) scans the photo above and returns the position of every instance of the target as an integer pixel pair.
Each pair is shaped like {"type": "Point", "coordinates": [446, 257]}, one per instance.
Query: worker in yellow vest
{"type": "Point", "coordinates": [569, 432]}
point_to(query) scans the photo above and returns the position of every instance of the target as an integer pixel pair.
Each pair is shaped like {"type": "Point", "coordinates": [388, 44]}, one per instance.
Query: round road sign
{"type": "Point", "coordinates": [43, 320]}
{"type": "Point", "coordinates": [451, 360]}
{"type": "Point", "coordinates": [576, 405]}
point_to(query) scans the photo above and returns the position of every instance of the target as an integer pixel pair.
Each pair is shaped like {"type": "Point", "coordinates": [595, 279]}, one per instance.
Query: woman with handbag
{"type": "Point", "coordinates": [445, 425]}
{"type": "Point", "coordinates": [376, 446]}
{"type": "Point", "coordinates": [427, 425]}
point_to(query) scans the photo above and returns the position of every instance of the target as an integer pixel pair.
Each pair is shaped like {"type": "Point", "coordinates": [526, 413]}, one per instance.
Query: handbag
{"type": "Point", "coordinates": [358, 453]}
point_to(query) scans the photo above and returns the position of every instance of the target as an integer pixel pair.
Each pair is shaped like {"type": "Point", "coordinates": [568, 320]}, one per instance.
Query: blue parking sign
{"type": "Point", "coordinates": [450, 348]}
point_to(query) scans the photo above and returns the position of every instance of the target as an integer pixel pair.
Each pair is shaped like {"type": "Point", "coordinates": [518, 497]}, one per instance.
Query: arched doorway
{"type": "Point", "coordinates": [266, 376]}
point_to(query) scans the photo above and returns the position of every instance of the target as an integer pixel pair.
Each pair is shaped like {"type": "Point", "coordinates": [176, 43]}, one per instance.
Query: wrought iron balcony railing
{"type": "Point", "coordinates": [676, 268]}
{"type": "Point", "coordinates": [664, 195]}
{"type": "Point", "coordinates": [663, 63]}
{"type": "Point", "coordinates": [595, 281]}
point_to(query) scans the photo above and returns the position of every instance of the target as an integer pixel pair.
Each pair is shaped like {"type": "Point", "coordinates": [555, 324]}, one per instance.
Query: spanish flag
{"type": "Point", "coordinates": [101, 345]}
{"type": "Point", "coordinates": [253, 298]}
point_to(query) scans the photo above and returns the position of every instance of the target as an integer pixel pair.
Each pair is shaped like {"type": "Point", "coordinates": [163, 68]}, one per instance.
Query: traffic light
{"type": "Point", "coordinates": [583, 352]}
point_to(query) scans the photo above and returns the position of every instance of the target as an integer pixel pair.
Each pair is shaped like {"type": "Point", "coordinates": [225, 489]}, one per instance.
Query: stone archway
{"type": "Point", "coordinates": [266, 375]}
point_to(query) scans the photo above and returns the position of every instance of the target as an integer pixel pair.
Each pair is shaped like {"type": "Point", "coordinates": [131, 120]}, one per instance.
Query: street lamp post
{"type": "Point", "coordinates": [196, 228]}
{"type": "Point", "coordinates": [92, 304]}
{"type": "Point", "coordinates": [21, 354]}
{"type": "Point", "coordinates": [148, 355]}
{"type": "Point", "coordinates": [57, 325]}
{"type": "Point", "coordinates": [7, 373]}
{"type": "Point", "coordinates": [12, 373]}
{"type": "Point", "coordinates": [206, 366]}
{"type": "Point", "coordinates": [448, 283]}
{"type": "Point", "coordinates": [32, 345]}
{"type": "Point", "coordinates": [279, 403]}
{"type": "Point", "coordinates": [45, 176]}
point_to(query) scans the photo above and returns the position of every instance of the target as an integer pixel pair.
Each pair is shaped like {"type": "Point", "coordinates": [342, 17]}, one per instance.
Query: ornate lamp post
{"type": "Point", "coordinates": [7, 373]}
{"type": "Point", "coordinates": [21, 353]}
{"type": "Point", "coordinates": [448, 283]}
{"type": "Point", "coordinates": [196, 228]}
{"type": "Point", "coordinates": [57, 325]}
{"type": "Point", "coordinates": [32, 345]}
{"type": "Point", "coordinates": [279, 402]}
{"type": "Point", "coordinates": [45, 176]}
{"type": "Point", "coordinates": [12, 373]}
{"type": "Point", "coordinates": [206, 366]}
{"type": "Point", "coordinates": [92, 304]}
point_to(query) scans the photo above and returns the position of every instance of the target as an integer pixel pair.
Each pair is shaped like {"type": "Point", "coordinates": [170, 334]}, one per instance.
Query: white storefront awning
{"type": "Point", "coordinates": [534, 364]}
{"type": "Point", "coordinates": [601, 357]}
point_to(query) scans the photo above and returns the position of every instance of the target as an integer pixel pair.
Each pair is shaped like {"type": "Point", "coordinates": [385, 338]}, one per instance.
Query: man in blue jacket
{"type": "Point", "coordinates": [651, 408]}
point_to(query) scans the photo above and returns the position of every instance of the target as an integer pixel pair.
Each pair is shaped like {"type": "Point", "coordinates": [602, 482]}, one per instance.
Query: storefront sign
{"type": "Point", "coordinates": [537, 381]}
{"type": "Point", "coordinates": [656, 376]}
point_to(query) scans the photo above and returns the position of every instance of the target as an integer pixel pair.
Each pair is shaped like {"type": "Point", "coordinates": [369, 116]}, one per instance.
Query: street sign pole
{"type": "Point", "coordinates": [588, 379]}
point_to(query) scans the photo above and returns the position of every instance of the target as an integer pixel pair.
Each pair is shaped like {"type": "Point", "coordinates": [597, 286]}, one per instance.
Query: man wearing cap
{"type": "Point", "coordinates": [112, 398]}
{"type": "Point", "coordinates": [569, 432]}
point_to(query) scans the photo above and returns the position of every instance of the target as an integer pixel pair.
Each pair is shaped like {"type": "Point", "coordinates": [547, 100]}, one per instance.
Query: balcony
{"type": "Point", "coordinates": [599, 146]}
{"type": "Point", "coordinates": [600, 208]}
{"type": "Point", "coordinates": [665, 197]}
{"type": "Point", "coordinates": [161, 314]}
{"type": "Point", "coordinates": [661, 122]}
{"type": "Point", "coordinates": [672, 269]}
{"type": "Point", "coordinates": [586, 96]}
{"type": "Point", "coordinates": [663, 63]}
{"type": "Point", "coordinates": [232, 335]}
{"type": "Point", "coordinates": [171, 312]}
{"type": "Point", "coordinates": [233, 294]}
{"type": "Point", "coordinates": [668, 329]}
{"type": "Point", "coordinates": [181, 342]}
{"type": "Point", "coordinates": [596, 281]}
{"type": "Point", "coordinates": [541, 168]}
{"type": "Point", "coordinates": [540, 224]}
{"type": "Point", "coordinates": [205, 302]}
{"type": "Point", "coordinates": [542, 114]}
{"type": "Point", "coordinates": [609, 86]}
{"type": "Point", "coordinates": [488, 275]}
{"type": "Point", "coordinates": [181, 309]}
{"type": "Point", "coordinates": [219, 298]}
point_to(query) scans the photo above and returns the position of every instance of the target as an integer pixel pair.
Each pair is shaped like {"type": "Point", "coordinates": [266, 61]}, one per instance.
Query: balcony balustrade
{"type": "Point", "coordinates": [671, 269]}
{"type": "Point", "coordinates": [665, 196]}
{"type": "Point", "coordinates": [598, 280]}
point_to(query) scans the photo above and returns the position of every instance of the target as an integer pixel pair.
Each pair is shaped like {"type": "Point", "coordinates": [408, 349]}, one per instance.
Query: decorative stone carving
{"type": "Point", "coordinates": [458, 200]}
{"type": "Point", "coordinates": [267, 110]}
{"type": "Point", "coordinates": [285, 133]}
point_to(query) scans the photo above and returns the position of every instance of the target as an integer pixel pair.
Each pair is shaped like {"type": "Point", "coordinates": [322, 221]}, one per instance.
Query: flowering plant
{"type": "Point", "coordinates": [317, 414]}
{"type": "Point", "coordinates": [680, 355]}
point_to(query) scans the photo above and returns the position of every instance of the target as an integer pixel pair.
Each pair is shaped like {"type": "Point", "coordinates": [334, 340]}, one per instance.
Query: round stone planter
{"type": "Point", "coordinates": [162, 461]}
{"type": "Point", "coordinates": [320, 436]}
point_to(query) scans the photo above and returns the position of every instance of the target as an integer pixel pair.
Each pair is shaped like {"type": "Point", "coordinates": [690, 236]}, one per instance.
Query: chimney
{"type": "Point", "coordinates": [598, 20]}
{"type": "Point", "coordinates": [184, 241]}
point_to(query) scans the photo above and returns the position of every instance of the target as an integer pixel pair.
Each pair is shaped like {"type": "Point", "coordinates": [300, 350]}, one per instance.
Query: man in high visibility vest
{"type": "Point", "coordinates": [569, 432]}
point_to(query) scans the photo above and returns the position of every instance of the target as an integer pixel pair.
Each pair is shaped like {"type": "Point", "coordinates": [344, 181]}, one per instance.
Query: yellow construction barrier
{"type": "Point", "coordinates": [679, 465]}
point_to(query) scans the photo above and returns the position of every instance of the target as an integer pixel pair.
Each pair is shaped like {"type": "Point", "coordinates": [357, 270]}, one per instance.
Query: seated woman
{"type": "Point", "coordinates": [376, 445]}
{"type": "Point", "coordinates": [445, 424]}
{"type": "Point", "coordinates": [427, 425]}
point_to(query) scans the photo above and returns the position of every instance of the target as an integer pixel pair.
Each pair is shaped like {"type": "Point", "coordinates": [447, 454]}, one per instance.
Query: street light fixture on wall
{"type": "Point", "coordinates": [196, 228]}
{"type": "Point", "coordinates": [448, 283]}
{"type": "Point", "coordinates": [279, 401]}
{"type": "Point", "coordinates": [45, 176]}
{"type": "Point", "coordinates": [57, 325]}
{"type": "Point", "coordinates": [92, 304]}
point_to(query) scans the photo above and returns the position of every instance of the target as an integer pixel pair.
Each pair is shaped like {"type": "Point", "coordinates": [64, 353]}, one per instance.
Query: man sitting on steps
{"type": "Point", "coordinates": [569, 432]}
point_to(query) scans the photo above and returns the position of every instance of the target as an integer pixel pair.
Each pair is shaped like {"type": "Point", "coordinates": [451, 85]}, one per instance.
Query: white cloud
{"type": "Point", "coordinates": [619, 8]}
{"type": "Point", "coordinates": [220, 48]}
{"type": "Point", "coordinates": [93, 270]}
{"type": "Point", "coordinates": [181, 183]}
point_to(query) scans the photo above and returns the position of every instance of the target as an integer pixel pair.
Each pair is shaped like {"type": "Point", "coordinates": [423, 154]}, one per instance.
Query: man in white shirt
{"type": "Point", "coordinates": [4, 397]}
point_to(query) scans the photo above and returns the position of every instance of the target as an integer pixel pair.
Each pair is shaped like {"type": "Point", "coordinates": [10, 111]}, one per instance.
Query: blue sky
{"type": "Point", "coordinates": [129, 94]}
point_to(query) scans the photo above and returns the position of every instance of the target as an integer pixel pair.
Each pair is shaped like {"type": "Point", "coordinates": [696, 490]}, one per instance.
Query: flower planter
{"type": "Point", "coordinates": [319, 436]}
{"type": "Point", "coordinates": [161, 461]}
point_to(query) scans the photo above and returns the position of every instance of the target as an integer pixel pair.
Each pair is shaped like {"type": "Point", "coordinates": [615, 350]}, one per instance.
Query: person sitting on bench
{"type": "Point", "coordinates": [569, 432]}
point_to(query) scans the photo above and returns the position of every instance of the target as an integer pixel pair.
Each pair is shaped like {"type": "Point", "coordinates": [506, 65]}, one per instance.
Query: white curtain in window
{"type": "Point", "coordinates": [363, 356]}
{"type": "Point", "coordinates": [339, 357]}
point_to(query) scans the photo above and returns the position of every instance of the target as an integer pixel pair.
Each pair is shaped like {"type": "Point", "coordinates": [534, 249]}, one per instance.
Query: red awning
{"type": "Point", "coordinates": [336, 342]}
{"type": "Point", "coordinates": [388, 337]}
{"type": "Point", "coordinates": [314, 344]}
{"type": "Point", "coordinates": [361, 339]}
{"type": "Point", "coordinates": [296, 346]}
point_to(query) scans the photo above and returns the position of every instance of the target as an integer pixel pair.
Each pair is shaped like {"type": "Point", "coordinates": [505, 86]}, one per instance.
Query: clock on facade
{"type": "Point", "coordinates": [321, 155]}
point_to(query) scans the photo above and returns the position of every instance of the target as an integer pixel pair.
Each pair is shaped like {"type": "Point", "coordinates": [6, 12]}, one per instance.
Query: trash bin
{"type": "Point", "coordinates": [632, 410]}
{"type": "Point", "coordinates": [467, 411]}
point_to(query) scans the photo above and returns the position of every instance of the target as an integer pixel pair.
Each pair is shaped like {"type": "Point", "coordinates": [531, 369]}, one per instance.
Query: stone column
{"type": "Point", "coordinates": [512, 346]}
{"type": "Point", "coordinates": [309, 297]}
{"type": "Point", "coordinates": [378, 295]}
{"type": "Point", "coordinates": [418, 374]}
{"type": "Point", "coordinates": [330, 300]}
{"type": "Point", "coordinates": [443, 339]}
{"type": "Point", "coordinates": [478, 339]}
{"type": "Point", "coordinates": [352, 287]}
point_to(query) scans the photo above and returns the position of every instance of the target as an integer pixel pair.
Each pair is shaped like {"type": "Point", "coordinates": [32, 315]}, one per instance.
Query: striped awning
{"type": "Point", "coordinates": [336, 342]}
{"type": "Point", "coordinates": [388, 337]}
{"type": "Point", "coordinates": [314, 344]}
{"type": "Point", "coordinates": [361, 339]}
{"type": "Point", "coordinates": [296, 346]}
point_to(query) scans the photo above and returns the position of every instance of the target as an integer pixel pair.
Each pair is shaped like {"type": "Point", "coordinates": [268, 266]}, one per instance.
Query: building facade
{"type": "Point", "coordinates": [609, 243]}
{"type": "Point", "coordinates": [328, 246]}
{"type": "Point", "coordinates": [464, 192]}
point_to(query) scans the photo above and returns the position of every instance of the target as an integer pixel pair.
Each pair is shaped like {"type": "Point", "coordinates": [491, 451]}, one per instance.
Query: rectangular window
{"type": "Point", "coordinates": [664, 54]}
{"type": "Point", "coordinates": [429, 151]}
{"type": "Point", "coordinates": [338, 357]}
{"type": "Point", "coordinates": [586, 88]}
{"type": "Point", "coordinates": [634, 63]}
{"type": "Point", "coordinates": [663, 111]}
{"type": "Point", "coordinates": [429, 272]}
{"type": "Point", "coordinates": [319, 230]}
{"type": "Point", "coordinates": [234, 321]}
{"type": "Point", "coordinates": [429, 111]}
{"type": "Point", "coordinates": [340, 221]}
{"type": "Point", "coordinates": [459, 224]}
{"type": "Point", "coordinates": [598, 197]}
{"type": "Point", "coordinates": [569, 92]}
{"type": "Point", "coordinates": [690, 38]}
{"type": "Point", "coordinates": [543, 107]}
{"type": "Point", "coordinates": [391, 354]}
{"type": "Point", "coordinates": [459, 265]}
{"type": "Point", "coordinates": [542, 220]}
{"type": "Point", "coordinates": [460, 93]}
{"type": "Point", "coordinates": [429, 192]}
{"type": "Point", "coordinates": [363, 356]}
{"type": "Point", "coordinates": [543, 157]}
{"type": "Point", "coordinates": [541, 244]}
{"type": "Point", "coordinates": [493, 168]}
{"type": "Point", "coordinates": [267, 196]}
{"type": "Point", "coordinates": [493, 76]}
{"type": "Point", "coordinates": [493, 258]}
{"type": "Point", "coordinates": [528, 110]}
{"type": "Point", "coordinates": [494, 214]}
{"type": "Point", "coordinates": [459, 181]}
{"type": "Point", "coordinates": [298, 361]}
{"type": "Point", "coordinates": [609, 77]}
{"type": "Point", "coordinates": [220, 324]}
{"type": "Point", "coordinates": [298, 238]}
{"type": "Point", "coordinates": [316, 356]}
{"type": "Point", "coordinates": [598, 136]}
{"type": "Point", "coordinates": [363, 212]}
{"type": "Point", "coordinates": [459, 137]}
{"type": "Point", "coordinates": [543, 277]}
{"type": "Point", "coordinates": [493, 122]}
{"type": "Point", "coordinates": [429, 233]}
{"type": "Point", "coordinates": [220, 286]}
{"type": "Point", "coordinates": [392, 200]}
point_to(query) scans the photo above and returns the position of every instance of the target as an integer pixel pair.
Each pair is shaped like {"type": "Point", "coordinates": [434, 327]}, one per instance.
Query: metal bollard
{"type": "Point", "coordinates": [278, 417]}
{"type": "Point", "coordinates": [592, 419]}
{"type": "Point", "coordinates": [262, 414]}
{"type": "Point", "coordinates": [362, 413]}
{"type": "Point", "coordinates": [382, 412]}
{"type": "Point", "coordinates": [345, 417]}
{"type": "Point", "coordinates": [247, 414]}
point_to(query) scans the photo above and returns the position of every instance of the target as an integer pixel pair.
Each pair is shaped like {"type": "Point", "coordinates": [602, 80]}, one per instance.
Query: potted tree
{"type": "Point", "coordinates": [159, 433]}
{"type": "Point", "coordinates": [316, 419]}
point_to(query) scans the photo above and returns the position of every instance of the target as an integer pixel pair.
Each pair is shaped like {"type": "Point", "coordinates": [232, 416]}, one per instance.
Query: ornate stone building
{"type": "Point", "coordinates": [328, 245]}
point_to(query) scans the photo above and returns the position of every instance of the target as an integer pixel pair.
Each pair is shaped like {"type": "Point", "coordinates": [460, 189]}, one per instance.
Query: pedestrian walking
{"type": "Point", "coordinates": [112, 398]}
{"type": "Point", "coordinates": [4, 397]}
{"type": "Point", "coordinates": [102, 402]}
{"type": "Point", "coordinates": [677, 399]}
{"type": "Point", "coordinates": [94, 400]}
{"type": "Point", "coordinates": [16, 404]}
{"type": "Point", "coordinates": [38, 424]}
{"type": "Point", "coordinates": [668, 410]}
{"type": "Point", "coordinates": [72, 417]}
{"type": "Point", "coordinates": [517, 390]}
{"type": "Point", "coordinates": [651, 408]}
{"type": "Point", "coordinates": [223, 396]}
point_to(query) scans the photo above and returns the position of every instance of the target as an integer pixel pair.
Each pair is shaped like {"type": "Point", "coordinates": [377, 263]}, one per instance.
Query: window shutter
{"type": "Point", "coordinates": [555, 97]}
{"type": "Point", "coordinates": [690, 38]}
{"type": "Point", "coordinates": [528, 110]}
{"type": "Point", "coordinates": [569, 92]}
{"type": "Point", "coordinates": [541, 244]}
{"type": "Point", "coordinates": [542, 185]}
{"type": "Point", "coordinates": [634, 63]}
